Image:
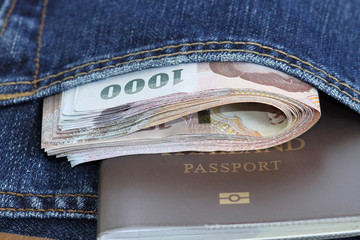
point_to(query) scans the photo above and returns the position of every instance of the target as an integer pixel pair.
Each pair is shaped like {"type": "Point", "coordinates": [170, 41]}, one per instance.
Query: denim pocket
{"type": "Point", "coordinates": [50, 46]}
{"type": "Point", "coordinates": [47, 46]}
{"type": "Point", "coordinates": [40, 195]}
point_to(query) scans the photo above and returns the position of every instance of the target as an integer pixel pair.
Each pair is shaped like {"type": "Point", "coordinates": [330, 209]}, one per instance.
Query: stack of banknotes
{"type": "Point", "coordinates": [227, 106]}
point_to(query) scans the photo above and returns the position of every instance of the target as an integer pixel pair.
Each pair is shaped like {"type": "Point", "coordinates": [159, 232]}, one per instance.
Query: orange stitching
{"type": "Point", "coordinates": [9, 96]}
{"type": "Point", "coordinates": [6, 21]}
{"type": "Point", "coordinates": [48, 195]}
{"type": "Point", "coordinates": [181, 45]}
{"type": "Point", "coordinates": [46, 210]}
{"type": "Point", "coordinates": [37, 59]}
{"type": "Point", "coordinates": [117, 58]}
{"type": "Point", "coordinates": [129, 55]}
{"type": "Point", "coordinates": [307, 63]}
{"type": "Point", "coordinates": [3, 97]}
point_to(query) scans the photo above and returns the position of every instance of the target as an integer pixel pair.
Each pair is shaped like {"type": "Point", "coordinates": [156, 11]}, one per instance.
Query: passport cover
{"type": "Point", "coordinates": [306, 187]}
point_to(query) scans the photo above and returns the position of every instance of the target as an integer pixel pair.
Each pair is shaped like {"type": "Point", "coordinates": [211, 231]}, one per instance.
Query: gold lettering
{"type": "Point", "coordinates": [252, 164]}
{"type": "Point", "coordinates": [225, 167]}
{"type": "Point", "coordinates": [235, 166]}
{"type": "Point", "coordinates": [200, 168]}
{"type": "Point", "coordinates": [276, 167]}
{"type": "Point", "coordinates": [188, 167]}
{"type": "Point", "coordinates": [290, 146]}
{"type": "Point", "coordinates": [263, 165]}
{"type": "Point", "coordinates": [213, 168]}
{"type": "Point", "coordinates": [262, 151]}
{"type": "Point", "coordinates": [279, 148]}
{"type": "Point", "coordinates": [228, 152]}
{"type": "Point", "coordinates": [232, 167]}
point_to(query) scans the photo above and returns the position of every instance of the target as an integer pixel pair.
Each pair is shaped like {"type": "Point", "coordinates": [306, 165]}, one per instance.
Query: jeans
{"type": "Point", "coordinates": [48, 46]}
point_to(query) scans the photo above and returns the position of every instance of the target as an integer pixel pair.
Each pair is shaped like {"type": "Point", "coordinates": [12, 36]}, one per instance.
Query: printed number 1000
{"type": "Point", "coordinates": [137, 85]}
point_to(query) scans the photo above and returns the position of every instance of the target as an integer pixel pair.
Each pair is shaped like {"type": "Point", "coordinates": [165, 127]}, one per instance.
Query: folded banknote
{"type": "Point", "coordinates": [217, 106]}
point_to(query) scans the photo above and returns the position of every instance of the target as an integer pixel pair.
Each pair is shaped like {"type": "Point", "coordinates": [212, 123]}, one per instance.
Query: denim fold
{"type": "Point", "coordinates": [49, 46]}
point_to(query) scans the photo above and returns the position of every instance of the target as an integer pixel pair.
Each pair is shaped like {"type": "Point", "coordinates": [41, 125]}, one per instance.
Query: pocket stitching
{"type": "Point", "coordinates": [29, 93]}
{"type": "Point", "coordinates": [47, 210]}
{"type": "Point", "coordinates": [47, 195]}
{"type": "Point", "coordinates": [39, 43]}
{"type": "Point", "coordinates": [7, 17]}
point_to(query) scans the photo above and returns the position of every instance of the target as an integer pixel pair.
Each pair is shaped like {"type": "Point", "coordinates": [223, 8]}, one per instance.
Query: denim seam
{"type": "Point", "coordinates": [10, 96]}
{"type": "Point", "coordinates": [177, 46]}
{"type": "Point", "coordinates": [49, 200]}
{"type": "Point", "coordinates": [39, 42]}
{"type": "Point", "coordinates": [47, 195]}
{"type": "Point", "coordinates": [7, 17]}
{"type": "Point", "coordinates": [46, 210]}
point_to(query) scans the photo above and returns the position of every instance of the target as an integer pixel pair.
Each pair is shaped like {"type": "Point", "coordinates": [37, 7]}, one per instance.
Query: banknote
{"type": "Point", "coordinates": [228, 106]}
{"type": "Point", "coordinates": [103, 103]}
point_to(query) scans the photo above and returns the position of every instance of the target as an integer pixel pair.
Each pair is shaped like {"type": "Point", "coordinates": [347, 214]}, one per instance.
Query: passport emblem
{"type": "Point", "coordinates": [234, 198]}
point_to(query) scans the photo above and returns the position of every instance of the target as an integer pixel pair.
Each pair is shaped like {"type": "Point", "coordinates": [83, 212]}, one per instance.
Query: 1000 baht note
{"type": "Point", "coordinates": [108, 115]}
{"type": "Point", "coordinates": [170, 87]}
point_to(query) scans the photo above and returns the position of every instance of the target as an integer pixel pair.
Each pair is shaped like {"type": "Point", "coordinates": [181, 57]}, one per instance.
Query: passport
{"type": "Point", "coordinates": [308, 187]}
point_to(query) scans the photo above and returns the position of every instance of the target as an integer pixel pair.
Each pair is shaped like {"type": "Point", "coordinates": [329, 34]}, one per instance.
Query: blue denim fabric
{"type": "Point", "coordinates": [41, 195]}
{"type": "Point", "coordinates": [47, 46]}
{"type": "Point", "coordinates": [50, 45]}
